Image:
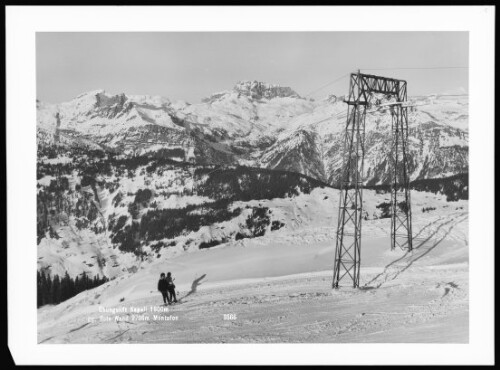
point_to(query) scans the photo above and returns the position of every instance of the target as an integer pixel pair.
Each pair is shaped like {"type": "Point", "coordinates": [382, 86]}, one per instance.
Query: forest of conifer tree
{"type": "Point", "coordinates": [53, 290]}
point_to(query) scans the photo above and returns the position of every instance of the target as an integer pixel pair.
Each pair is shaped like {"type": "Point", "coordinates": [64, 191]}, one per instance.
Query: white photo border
{"type": "Point", "coordinates": [22, 23]}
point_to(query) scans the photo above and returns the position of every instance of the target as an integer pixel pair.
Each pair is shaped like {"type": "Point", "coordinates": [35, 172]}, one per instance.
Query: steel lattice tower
{"type": "Point", "coordinates": [401, 233]}
{"type": "Point", "coordinates": [348, 243]}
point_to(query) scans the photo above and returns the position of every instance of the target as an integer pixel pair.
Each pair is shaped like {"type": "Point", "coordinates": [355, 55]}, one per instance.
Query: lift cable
{"type": "Point", "coordinates": [328, 84]}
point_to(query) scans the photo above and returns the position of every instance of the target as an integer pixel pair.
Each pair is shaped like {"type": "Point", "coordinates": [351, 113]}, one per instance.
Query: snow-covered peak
{"type": "Point", "coordinates": [152, 100]}
{"type": "Point", "coordinates": [259, 90]}
{"type": "Point", "coordinates": [100, 113]}
{"type": "Point", "coordinates": [104, 100]}
{"type": "Point", "coordinates": [179, 104]}
{"type": "Point", "coordinates": [100, 98]}
{"type": "Point", "coordinates": [254, 90]}
{"type": "Point", "coordinates": [92, 93]}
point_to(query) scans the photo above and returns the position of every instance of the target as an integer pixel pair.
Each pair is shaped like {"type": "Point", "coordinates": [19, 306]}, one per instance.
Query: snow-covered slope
{"type": "Point", "coordinates": [278, 286]}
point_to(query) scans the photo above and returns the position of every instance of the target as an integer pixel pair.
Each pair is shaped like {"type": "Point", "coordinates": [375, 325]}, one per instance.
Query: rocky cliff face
{"type": "Point", "coordinates": [260, 90]}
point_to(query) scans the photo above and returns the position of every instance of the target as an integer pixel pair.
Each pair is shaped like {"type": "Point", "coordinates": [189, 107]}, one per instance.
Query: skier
{"type": "Point", "coordinates": [171, 288]}
{"type": "Point", "coordinates": [163, 288]}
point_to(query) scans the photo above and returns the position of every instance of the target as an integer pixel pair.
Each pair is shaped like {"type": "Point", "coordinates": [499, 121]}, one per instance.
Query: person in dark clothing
{"type": "Point", "coordinates": [171, 288]}
{"type": "Point", "coordinates": [163, 288]}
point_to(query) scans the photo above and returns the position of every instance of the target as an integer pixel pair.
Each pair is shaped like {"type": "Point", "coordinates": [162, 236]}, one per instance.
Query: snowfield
{"type": "Point", "coordinates": [278, 287]}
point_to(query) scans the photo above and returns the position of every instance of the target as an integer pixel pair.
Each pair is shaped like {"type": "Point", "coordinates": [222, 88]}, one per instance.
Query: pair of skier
{"type": "Point", "coordinates": [167, 288]}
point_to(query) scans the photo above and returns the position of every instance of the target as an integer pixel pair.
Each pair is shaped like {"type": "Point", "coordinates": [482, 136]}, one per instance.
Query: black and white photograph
{"type": "Point", "coordinates": [253, 186]}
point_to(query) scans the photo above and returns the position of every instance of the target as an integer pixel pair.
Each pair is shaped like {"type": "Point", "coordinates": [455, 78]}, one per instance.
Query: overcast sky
{"type": "Point", "coordinates": [192, 65]}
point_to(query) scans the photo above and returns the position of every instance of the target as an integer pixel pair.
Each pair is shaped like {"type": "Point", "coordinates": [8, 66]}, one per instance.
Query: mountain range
{"type": "Point", "coordinates": [260, 125]}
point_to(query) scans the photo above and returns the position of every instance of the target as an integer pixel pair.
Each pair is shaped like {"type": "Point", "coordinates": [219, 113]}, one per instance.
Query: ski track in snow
{"type": "Point", "coordinates": [413, 297]}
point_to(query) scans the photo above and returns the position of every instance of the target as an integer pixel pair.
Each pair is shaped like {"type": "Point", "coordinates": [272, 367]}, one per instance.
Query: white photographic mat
{"type": "Point", "coordinates": [38, 32]}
